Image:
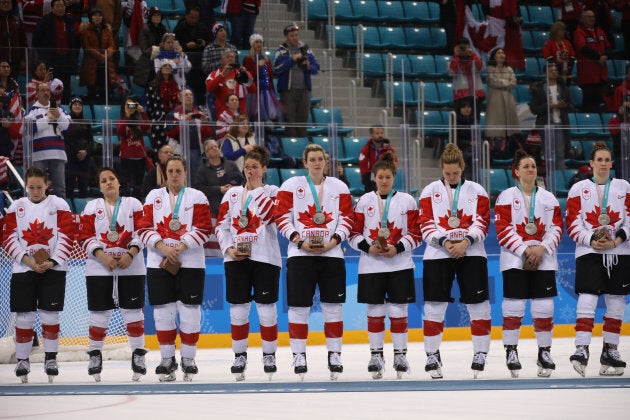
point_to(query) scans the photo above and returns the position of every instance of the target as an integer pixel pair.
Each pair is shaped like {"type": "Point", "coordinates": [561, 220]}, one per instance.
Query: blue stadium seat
{"type": "Point", "coordinates": [344, 36]}
{"type": "Point", "coordinates": [576, 95]}
{"type": "Point", "coordinates": [317, 10]}
{"type": "Point", "coordinates": [366, 11]}
{"type": "Point", "coordinates": [498, 180]}
{"type": "Point", "coordinates": [288, 173]}
{"type": "Point", "coordinates": [422, 66]}
{"type": "Point", "coordinates": [344, 11]}
{"type": "Point", "coordinates": [417, 11]}
{"type": "Point", "coordinates": [526, 39]}
{"type": "Point", "coordinates": [587, 148]}
{"type": "Point", "coordinates": [538, 39]}
{"type": "Point", "coordinates": [399, 61]}
{"type": "Point", "coordinates": [399, 183]}
{"type": "Point", "coordinates": [434, 122]}
{"type": "Point", "coordinates": [619, 43]}
{"type": "Point", "coordinates": [371, 37]}
{"type": "Point", "coordinates": [272, 177]}
{"type": "Point", "coordinates": [441, 65]}
{"type": "Point", "coordinates": [540, 16]}
{"type": "Point", "coordinates": [294, 146]}
{"type": "Point", "coordinates": [324, 116]}
{"type": "Point", "coordinates": [446, 93]}
{"type": "Point", "coordinates": [166, 6]}
{"type": "Point", "coordinates": [477, 12]}
{"type": "Point", "coordinates": [438, 38]}
{"type": "Point", "coordinates": [352, 148]}
{"type": "Point", "coordinates": [586, 124]}
{"type": "Point", "coordinates": [532, 70]}
{"type": "Point", "coordinates": [522, 94]}
{"type": "Point", "coordinates": [392, 37]}
{"type": "Point", "coordinates": [525, 16]}
{"type": "Point", "coordinates": [373, 65]}
{"type": "Point", "coordinates": [75, 88]}
{"type": "Point", "coordinates": [434, 12]}
{"type": "Point", "coordinates": [353, 175]}
{"type": "Point", "coordinates": [561, 183]}
{"type": "Point", "coordinates": [392, 11]}
{"type": "Point", "coordinates": [575, 162]}
{"type": "Point", "coordinates": [418, 38]}
{"type": "Point", "coordinates": [431, 95]}
{"type": "Point", "coordinates": [170, 23]}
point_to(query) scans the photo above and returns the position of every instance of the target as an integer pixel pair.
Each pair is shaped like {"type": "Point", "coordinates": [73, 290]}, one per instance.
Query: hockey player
{"type": "Point", "coordinates": [529, 228]}
{"type": "Point", "coordinates": [114, 272]}
{"type": "Point", "coordinates": [175, 225]}
{"type": "Point", "coordinates": [314, 212]}
{"type": "Point", "coordinates": [598, 222]}
{"type": "Point", "coordinates": [454, 219]}
{"type": "Point", "coordinates": [248, 238]}
{"type": "Point", "coordinates": [38, 234]}
{"type": "Point", "coordinates": [386, 230]}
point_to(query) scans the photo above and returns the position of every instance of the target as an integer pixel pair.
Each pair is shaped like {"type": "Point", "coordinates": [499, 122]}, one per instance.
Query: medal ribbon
{"type": "Point", "coordinates": [454, 200]}
{"type": "Point", "coordinates": [603, 201]}
{"type": "Point", "coordinates": [316, 197]}
{"type": "Point", "coordinates": [114, 217]}
{"type": "Point", "coordinates": [246, 205]}
{"type": "Point", "coordinates": [530, 203]}
{"type": "Point", "coordinates": [180, 195]}
{"type": "Point", "coordinates": [385, 211]}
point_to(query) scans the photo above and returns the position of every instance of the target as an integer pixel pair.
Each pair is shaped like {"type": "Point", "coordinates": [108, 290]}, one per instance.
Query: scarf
{"type": "Point", "coordinates": [137, 20]}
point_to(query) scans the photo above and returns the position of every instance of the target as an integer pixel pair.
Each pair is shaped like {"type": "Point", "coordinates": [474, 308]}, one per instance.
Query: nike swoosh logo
{"type": "Point", "coordinates": [340, 294]}
{"type": "Point", "coordinates": [549, 288]}
{"type": "Point", "coordinates": [188, 208]}
{"type": "Point", "coordinates": [193, 296]}
{"type": "Point", "coordinates": [54, 303]}
{"type": "Point", "coordinates": [480, 291]}
{"type": "Point", "coordinates": [625, 285]}
{"type": "Point", "coordinates": [134, 298]}
{"type": "Point", "coordinates": [265, 293]}
{"type": "Point", "coordinates": [52, 213]}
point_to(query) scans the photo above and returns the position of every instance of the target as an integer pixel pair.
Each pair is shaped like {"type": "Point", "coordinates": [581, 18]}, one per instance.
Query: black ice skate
{"type": "Point", "coordinates": [138, 365]}
{"type": "Point", "coordinates": [189, 367]}
{"type": "Point", "coordinates": [511, 360]}
{"type": "Point", "coordinates": [299, 364]}
{"type": "Point", "coordinates": [166, 369]}
{"type": "Point", "coordinates": [401, 365]}
{"type": "Point", "coordinates": [579, 359]}
{"type": "Point", "coordinates": [334, 364]}
{"type": "Point", "coordinates": [434, 365]}
{"type": "Point", "coordinates": [22, 369]}
{"type": "Point", "coordinates": [269, 364]}
{"type": "Point", "coordinates": [545, 363]}
{"type": "Point", "coordinates": [50, 365]}
{"type": "Point", "coordinates": [612, 365]}
{"type": "Point", "coordinates": [239, 366]}
{"type": "Point", "coordinates": [96, 364]}
{"type": "Point", "coordinates": [478, 363]}
{"type": "Point", "coordinates": [376, 365]}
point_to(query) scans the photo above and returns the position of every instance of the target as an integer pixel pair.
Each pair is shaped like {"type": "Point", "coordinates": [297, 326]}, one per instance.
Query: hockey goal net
{"type": "Point", "coordinates": [74, 319]}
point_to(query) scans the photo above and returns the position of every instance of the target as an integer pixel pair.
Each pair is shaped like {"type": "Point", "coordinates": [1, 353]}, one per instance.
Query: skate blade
{"type": "Point", "coordinates": [136, 376]}
{"type": "Point", "coordinates": [24, 379]}
{"type": "Point", "coordinates": [579, 368]}
{"type": "Point", "coordinates": [514, 373]}
{"type": "Point", "coordinates": [334, 376]}
{"type": "Point", "coordinates": [436, 374]}
{"type": "Point", "coordinates": [51, 378]}
{"type": "Point", "coordinates": [239, 376]}
{"type": "Point", "coordinates": [188, 377]}
{"type": "Point", "coordinates": [270, 375]}
{"type": "Point", "coordinates": [377, 375]}
{"type": "Point", "coordinates": [301, 375]}
{"type": "Point", "coordinates": [96, 376]}
{"type": "Point", "coordinates": [400, 373]}
{"type": "Point", "coordinates": [476, 373]}
{"type": "Point", "coordinates": [166, 378]}
{"type": "Point", "coordinates": [610, 371]}
{"type": "Point", "coordinates": [544, 373]}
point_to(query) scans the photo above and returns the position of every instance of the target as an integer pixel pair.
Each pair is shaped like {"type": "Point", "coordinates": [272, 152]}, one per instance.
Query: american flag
{"type": "Point", "coordinates": [3, 169]}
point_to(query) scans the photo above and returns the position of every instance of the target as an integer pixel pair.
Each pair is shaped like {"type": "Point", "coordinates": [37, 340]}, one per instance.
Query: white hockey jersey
{"type": "Point", "coordinates": [95, 223]}
{"type": "Point", "coordinates": [402, 222]}
{"type": "Point", "coordinates": [473, 211]}
{"type": "Point", "coordinates": [295, 209]}
{"type": "Point", "coordinates": [512, 214]}
{"type": "Point", "coordinates": [261, 229]}
{"type": "Point", "coordinates": [195, 230]}
{"type": "Point", "coordinates": [29, 227]}
{"type": "Point", "coordinates": [583, 210]}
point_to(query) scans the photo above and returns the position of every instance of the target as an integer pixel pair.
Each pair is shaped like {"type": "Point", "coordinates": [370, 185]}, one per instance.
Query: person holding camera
{"type": "Point", "coordinates": [376, 146]}
{"type": "Point", "coordinates": [49, 150]}
{"type": "Point", "coordinates": [133, 125]}
{"type": "Point", "coordinates": [465, 68]}
{"type": "Point", "coordinates": [231, 77]}
{"type": "Point", "coordinates": [598, 223]}
{"type": "Point", "coordinates": [294, 65]}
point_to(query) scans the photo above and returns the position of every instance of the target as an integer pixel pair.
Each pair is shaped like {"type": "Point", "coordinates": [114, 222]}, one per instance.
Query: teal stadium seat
{"type": "Point", "coordinates": [353, 175]}
{"type": "Point", "coordinates": [317, 10]}
{"type": "Point", "coordinates": [392, 37]}
{"type": "Point", "coordinates": [294, 146]}
{"type": "Point", "coordinates": [352, 148]}
{"type": "Point", "coordinates": [272, 177]}
{"type": "Point", "coordinates": [392, 11]}
{"type": "Point", "coordinates": [422, 66]}
{"type": "Point", "coordinates": [289, 173]}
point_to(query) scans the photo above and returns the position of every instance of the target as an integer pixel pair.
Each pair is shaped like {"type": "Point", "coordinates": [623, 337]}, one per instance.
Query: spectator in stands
{"type": "Point", "coordinates": [465, 118]}
{"type": "Point", "coordinates": [260, 67]}
{"type": "Point", "coordinates": [623, 6]}
{"type": "Point", "coordinates": [171, 50]}
{"type": "Point", "coordinates": [198, 126]}
{"type": "Point", "coordinates": [7, 122]}
{"type": "Point", "coordinates": [604, 18]}
{"type": "Point", "coordinates": [11, 112]}
{"type": "Point", "coordinates": [559, 50]}
{"type": "Point", "coordinates": [614, 126]}
{"type": "Point", "coordinates": [156, 177]}
{"type": "Point", "coordinates": [112, 15]}
{"type": "Point", "coordinates": [621, 97]}
{"type": "Point", "coordinates": [239, 141]}
{"type": "Point", "coordinates": [79, 146]}
{"type": "Point", "coordinates": [193, 37]}
{"type": "Point", "coordinates": [226, 118]}
{"type": "Point", "coordinates": [13, 40]}
{"type": "Point", "coordinates": [370, 153]}
{"type": "Point", "coordinates": [501, 116]}
{"type": "Point", "coordinates": [570, 13]}
{"type": "Point", "coordinates": [242, 15]}
{"type": "Point", "coordinates": [551, 103]}
{"type": "Point", "coordinates": [213, 53]}
{"type": "Point", "coordinates": [294, 65]}
{"type": "Point", "coordinates": [98, 44]}
{"type": "Point", "coordinates": [448, 19]}
{"type": "Point", "coordinates": [591, 46]}
{"type": "Point", "coordinates": [43, 74]}
{"type": "Point", "coordinates": [57, 43]}
{"type": "Point", "coordinates": [217, 176]}
{"type": "Point", "coordinates": [162, 98]}
{"type": "Point", "coordinates": [509, 12]}
{"type": "Point", "coordinates": [231, 77]}
{"type": "Point", "coordinates": [206, 7]}
{"type": "Point", "coordinates": [134, 14]}
{"type": "Point", "coordinates": [150, 37]}
{"type": "Point", "coordinates": [49, 152]}
{"type": "Point", "coordinates": [465, 67]}
{"type": "Point", "coordinates": [32, 12]}
{"type": "Point", "coordinates": [131, 128]}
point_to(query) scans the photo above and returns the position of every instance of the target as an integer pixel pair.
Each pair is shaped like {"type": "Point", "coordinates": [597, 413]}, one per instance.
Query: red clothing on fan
{"type": "Point", "coordinates": [560, 52]}
{"type": "Point", "coordinates": [131, 147]}
{"type": "Point", "coordinates": [590, 44]}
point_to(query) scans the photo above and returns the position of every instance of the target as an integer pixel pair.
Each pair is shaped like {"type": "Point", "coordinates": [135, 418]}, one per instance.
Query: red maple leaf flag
{"type": "Point", "coordinates": [592, 216]}
{"type": "Point", "coordinates": [37, 233]}
{"type": "Point", "coordinates": [465, 220]}
{"type": "Point", "coordinates": [537, 236]}
{"type": "Point", "coordinates": [253, 224]}
{"type": "Point", "coordinates": [306, 218]}
{"type": "Point", "coordinates": [165, 231]}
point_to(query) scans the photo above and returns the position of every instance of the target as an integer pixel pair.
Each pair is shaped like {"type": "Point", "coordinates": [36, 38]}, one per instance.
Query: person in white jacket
{"type": "Point", "coordinates": [529, 229]}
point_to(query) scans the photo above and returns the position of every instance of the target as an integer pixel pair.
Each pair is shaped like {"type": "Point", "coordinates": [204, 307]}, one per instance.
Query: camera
{"type": "Point", "coordinates": [196, 116]}
{"type": "Point", "coordinates": [132, 105]}
{"type": "Point", "coordinates": [53, 103]}
{"type": "Point", "coordinates": [302, 61]}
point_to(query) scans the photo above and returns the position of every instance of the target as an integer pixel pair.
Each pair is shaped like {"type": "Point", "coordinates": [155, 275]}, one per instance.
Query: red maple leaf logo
{"type": "Point", "coordinates": [591, 217]}
{"type": "Point", "coordinates": [306, 218]}
{"type": "Point", "coordinates": [395, 234]}
{"type": "Point", "coordinates": [37, 233]}
{"type": "Point", "coordinates": [465, 221]}
{"type": "Point", "coordinates": [540, 230]}
{"type": "Point", "coordinates": [124, 237]}
{"type": "Point", "coordinates": [166, 232]}
{"type": "Point", "coordinates": [252, 226]}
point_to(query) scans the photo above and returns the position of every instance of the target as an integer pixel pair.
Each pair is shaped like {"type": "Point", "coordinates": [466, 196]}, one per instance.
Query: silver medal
{"type": "Point", "coordinates": [530, 228]}
{"type": "Point", "coordinates": [603, 219]}
{"type": "Point", "coordinates": [383, 233]}
{"type": "Point", "coordinates": [453, 222]}
{"type": "Point", "coordinates": [243, 221]}
{"type": "Point", "coordinates": [319, 218]}
{"type": "Point", "coordinates": [175, 224]}
{"type": "Point", "coordinates": [112, 236]}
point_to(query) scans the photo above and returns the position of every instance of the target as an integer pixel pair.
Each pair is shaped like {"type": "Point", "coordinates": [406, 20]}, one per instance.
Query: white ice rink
{"type": "Point", "coordinates": [214, 393]}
